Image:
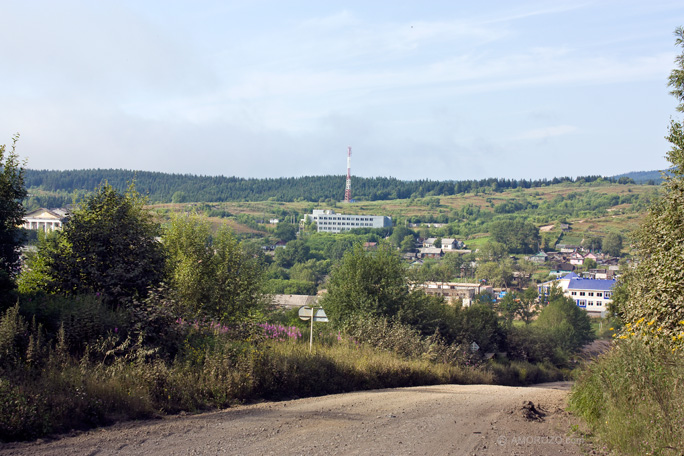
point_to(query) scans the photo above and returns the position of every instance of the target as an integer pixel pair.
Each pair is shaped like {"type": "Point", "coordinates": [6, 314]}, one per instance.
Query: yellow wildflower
{"type": "Point", "coordinates": [651, 323]}
{"type": "Point", "coordinates": [612, 329]}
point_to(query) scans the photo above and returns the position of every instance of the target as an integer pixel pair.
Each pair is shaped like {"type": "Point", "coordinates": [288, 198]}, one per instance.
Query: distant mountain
{"type": "Point", "coordinates": [642, 177]}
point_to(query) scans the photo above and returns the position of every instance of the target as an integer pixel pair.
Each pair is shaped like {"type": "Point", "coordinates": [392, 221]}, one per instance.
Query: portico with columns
{"type": "Point", "coordinates": [45, 219]}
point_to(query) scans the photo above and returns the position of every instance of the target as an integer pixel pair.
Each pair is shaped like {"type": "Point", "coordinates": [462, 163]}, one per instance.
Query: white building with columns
{"type": "Point", "coordinates": [45, 219]}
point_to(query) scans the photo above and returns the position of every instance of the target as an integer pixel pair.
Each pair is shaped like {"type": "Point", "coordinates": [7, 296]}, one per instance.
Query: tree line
{"type": "Point", "coordinates": [165, 188]}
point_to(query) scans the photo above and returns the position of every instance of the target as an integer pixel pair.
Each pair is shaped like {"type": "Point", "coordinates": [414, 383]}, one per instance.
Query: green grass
{"type": "Point", "coordinates": [633, 398]}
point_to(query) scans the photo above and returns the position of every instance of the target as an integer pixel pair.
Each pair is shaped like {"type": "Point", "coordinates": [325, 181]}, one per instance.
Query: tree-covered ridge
{"type": "Point", "coordinates": [163, 187]}
{"type": "Point", "coordinates": [644, 177]}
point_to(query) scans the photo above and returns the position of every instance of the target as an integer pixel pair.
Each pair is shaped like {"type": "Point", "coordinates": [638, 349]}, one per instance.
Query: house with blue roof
{"type": "Point", "coordinates": [592, 295]}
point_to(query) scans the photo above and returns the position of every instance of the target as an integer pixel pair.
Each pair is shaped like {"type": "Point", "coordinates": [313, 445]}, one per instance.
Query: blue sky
{"type": "Point", "coordinates": [437, 90]}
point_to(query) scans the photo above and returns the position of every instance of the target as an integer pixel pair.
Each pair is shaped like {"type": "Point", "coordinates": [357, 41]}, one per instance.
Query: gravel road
{"type": "Point", "coordinates": [430, 420]}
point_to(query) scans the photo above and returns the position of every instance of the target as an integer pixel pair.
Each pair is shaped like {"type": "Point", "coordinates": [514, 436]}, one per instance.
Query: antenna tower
{"type": "Point", "coordinates": [347, 189]}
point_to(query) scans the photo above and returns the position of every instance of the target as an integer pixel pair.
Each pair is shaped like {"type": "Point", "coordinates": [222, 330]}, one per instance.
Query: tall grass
{"type": "Point", "coordinates": [633, 398]}
{"type": "Point", "coordinates": [50, 382]}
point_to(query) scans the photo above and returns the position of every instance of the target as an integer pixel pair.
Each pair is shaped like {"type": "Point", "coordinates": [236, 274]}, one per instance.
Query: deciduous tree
{"type": "Point", "coordinates": [211, 273]}
{"type": "Point", "coordinates": [366, 283]}
{"type": "Point", "coordinates": [109, 246]}
{"type": "Point", "coordinates": [653, 291]}
{"type": "Point", "coordinates": [612, 244]}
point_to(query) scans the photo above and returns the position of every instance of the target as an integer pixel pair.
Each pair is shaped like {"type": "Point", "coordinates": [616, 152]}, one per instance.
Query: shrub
{"type": "Point", "coordinates": [633, 398]}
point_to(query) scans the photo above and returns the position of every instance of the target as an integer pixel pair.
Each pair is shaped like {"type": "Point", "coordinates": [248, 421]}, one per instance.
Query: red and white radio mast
{"type": "Point", "coordinates": [347, 189]}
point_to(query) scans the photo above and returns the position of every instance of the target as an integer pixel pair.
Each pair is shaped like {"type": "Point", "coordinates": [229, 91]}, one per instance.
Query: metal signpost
{"type": "Point", "coordinates": [307, 313]}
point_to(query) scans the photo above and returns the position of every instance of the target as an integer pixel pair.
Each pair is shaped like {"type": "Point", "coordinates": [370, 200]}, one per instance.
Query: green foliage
{"type": "Point", "coordinates": [633, 398]}
{"type": "Point", "coordinates": [108, 247]}
{"type": "Point", "coordinates": [366, 284]}
{"type": "Point", "coordinates": [517, 235]}
{"type": "Point", "coordinates": [212, 275]}
{"type": "Point", "coordinates": [12, 192]}
{"type": "Point", "coordinates": [568, 326]}
{"type": "Point", "coordinates": [612, 244]}
{"type": "Point", "coordinates": [480, 324]}
{"type": "Point", "coordinates": [589, 264]}
{"type": "Point", "coordinates": [83, 318]}
{"type": "Point", "coordinates": [408, 244]}
{"type": "Point", "coordinates": [653, 290]}
{"type": "Point", "coordinates": [285, 286]}
{"type": "Point", "coordinates": [285, 231]}
{"type": "Point", "coordinates": [498, 274]}
{"type": "Point", "coordinates": [595, 244]}
{"type": "Point", "coordinates": [296, 251]}
{"type": "Point", "coordinates": [398, 235]}
{"type": "Point", "coordinates": [162, 187]}
{"type": "Point", "coordinates": [310, 271]}
{"type": "Point", "coordinates": [492, 251]}
{"type": "Point", "coordinates": [13, 340]}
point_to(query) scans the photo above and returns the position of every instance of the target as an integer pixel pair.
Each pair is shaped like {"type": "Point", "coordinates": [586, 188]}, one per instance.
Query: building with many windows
{"type": "Point", "coordinates": [592, 295]}
{"type": "Point", "coordinates": [327, 221]}
{"type": "Point", "coordinates": [453, 292]}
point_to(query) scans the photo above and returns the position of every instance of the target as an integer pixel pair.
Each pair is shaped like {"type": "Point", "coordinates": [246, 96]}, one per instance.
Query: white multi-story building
{"type": "Point", "coordinates": [328, 221]}
{"type": "Point", "coordinates": [592, 295]}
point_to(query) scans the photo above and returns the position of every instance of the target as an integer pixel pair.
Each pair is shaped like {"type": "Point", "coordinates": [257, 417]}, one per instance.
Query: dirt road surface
{"type": "Point", "coordinates": [430, 420]}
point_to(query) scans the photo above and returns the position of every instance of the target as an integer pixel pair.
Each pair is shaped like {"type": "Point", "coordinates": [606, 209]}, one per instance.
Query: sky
{"type": "Point", "coordinates": [441, 90]}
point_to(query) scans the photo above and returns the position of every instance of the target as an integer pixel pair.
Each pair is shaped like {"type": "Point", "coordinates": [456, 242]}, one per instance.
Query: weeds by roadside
{"type": "Point", "coordinates": [51, 384]}
{"type": "Point", "coordinates": [633, 398]}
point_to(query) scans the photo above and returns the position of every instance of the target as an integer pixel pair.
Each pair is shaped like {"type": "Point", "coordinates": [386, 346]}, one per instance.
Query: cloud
{"type": "Point", "coordinates": [545, 133]}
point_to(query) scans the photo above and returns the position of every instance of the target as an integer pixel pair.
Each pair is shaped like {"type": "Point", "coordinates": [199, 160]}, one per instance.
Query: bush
{"type": "Point", "coordinates": [633, 398]}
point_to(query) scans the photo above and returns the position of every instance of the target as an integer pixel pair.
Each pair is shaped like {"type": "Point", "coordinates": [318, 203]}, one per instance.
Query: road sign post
{"type": "Point", "coordinates": [307, 313]}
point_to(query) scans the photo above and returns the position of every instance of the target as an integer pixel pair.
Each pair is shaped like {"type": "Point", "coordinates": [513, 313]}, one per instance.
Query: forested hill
{"type": "Point", "coordinates": [644, 177]}
{"type": "Point", "coordinates": [162, 187]}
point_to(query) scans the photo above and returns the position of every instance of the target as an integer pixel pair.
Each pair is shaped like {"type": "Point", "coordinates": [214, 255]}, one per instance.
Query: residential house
{"type": "Point", "coordinates": [577, 259]}
{"type": "Point", "coordinates": [429, 242]}
{"type": "Point", "coordinates": [294, 301]}
{"type": "Point", "coordinates": [370, 245]}
{"type": "Point", "coordinates": [430, 252]}
{"type": "Point", "coordinates": [591, 256]}
{"type": "Point", "coordinates": [603, 274]}
{"type": "Point", "coordinates": [567, 248]}
{"type": "Point", "coordinates": [538, 258]}
{"type": "Point", "coordinates": [452, 244]}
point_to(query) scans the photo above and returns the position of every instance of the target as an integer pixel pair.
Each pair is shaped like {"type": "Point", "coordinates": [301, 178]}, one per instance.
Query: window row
{"type": "Point", "coordinates": [598, 294]}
